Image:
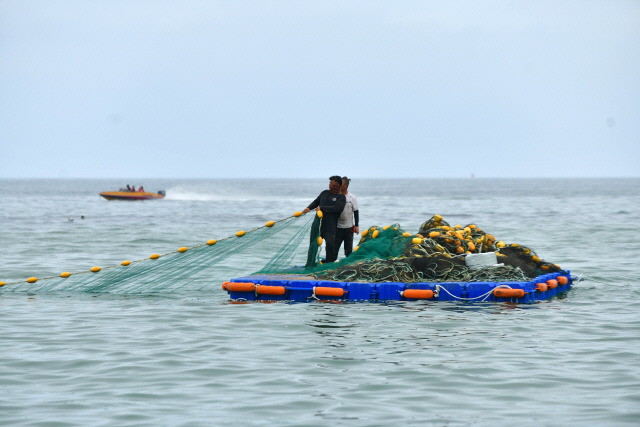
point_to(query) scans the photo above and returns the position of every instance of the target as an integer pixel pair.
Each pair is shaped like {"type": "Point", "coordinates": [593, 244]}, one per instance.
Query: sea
{"type": "Point", "coordinates": [192, 357]}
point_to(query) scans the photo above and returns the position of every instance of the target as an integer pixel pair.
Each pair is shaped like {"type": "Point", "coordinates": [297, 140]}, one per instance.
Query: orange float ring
{"type": "Point", "coordinates": [552, 283]}
{"type": "Point", "coordinates": [541, 287]}
{"type": "Point", "coordinates": [508, 293]}
{"type": "Point", "coordinates": [562, 280]}
{"type": "Point", "coordinates": [270, 290]}
{"type": "Point", "coordinates": [328, 292]}
{"type": "Point", "coordinates": [418, 293]}
{"type": "Point", "coordinates": [239, 286]}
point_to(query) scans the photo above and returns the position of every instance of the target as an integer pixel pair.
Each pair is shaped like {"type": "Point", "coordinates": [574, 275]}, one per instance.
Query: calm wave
{"type": "Point", "coordinates": [195, 359]}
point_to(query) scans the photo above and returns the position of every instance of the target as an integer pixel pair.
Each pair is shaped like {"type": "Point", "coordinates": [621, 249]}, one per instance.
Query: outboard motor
{"type": "Point", "coordinates": [162, 193]}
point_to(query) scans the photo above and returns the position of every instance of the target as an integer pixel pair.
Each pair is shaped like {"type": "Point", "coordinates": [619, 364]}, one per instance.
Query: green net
{"type": "Point", "coordinates": [189, 266]}
{"type": "Point", "coordinates": [384, 254]}
{"type": "Point", "coordinates": [436, 254]}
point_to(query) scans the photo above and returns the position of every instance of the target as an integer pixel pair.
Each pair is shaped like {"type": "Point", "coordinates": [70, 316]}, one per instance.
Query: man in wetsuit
{"type": "Point", "coordinates": [331, 202]}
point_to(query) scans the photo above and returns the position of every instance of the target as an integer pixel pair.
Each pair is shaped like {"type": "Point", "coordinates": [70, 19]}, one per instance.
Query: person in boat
{"type": "Point", "coordinates": [348, 220]}
{"type": "Point", "coordinates": [128, 187]}
{"type": "Point", "coordinates": [331, 202]}
{"type": "Point", "coordinates": [141, 189]}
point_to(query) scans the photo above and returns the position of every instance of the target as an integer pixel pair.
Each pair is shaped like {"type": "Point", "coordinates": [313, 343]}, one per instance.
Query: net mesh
{"type": "Point", "coordinates": [384, 254]}
{"type": "Point", "coordinates": [435, 254]}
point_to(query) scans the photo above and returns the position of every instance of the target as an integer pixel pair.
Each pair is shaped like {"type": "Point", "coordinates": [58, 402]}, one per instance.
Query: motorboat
{"type": "Point", "coordinates": [125, 194]}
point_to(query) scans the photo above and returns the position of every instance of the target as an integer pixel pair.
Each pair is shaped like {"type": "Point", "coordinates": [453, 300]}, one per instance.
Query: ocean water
{"type": "Point", "coordinates": [192, 358]}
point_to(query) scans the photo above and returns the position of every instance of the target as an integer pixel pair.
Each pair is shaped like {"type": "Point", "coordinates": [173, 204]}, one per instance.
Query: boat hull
{"type": "Point", "coordinates": [130, 195]}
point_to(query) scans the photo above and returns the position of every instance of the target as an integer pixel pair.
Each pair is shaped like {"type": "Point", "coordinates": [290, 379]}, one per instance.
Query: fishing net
{"type": "Point", "coordinates": [437, 253]}
{"type": "Point", "coordinates": [188, 266]}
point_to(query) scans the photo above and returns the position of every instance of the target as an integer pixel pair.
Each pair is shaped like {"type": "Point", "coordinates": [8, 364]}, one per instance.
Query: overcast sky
{"type": "Point", "coordinates": [308, 89]}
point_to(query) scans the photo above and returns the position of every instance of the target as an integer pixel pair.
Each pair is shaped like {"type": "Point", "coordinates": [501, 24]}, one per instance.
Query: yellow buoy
{"type": "Point", "coordinates": [437, 218]}
{"type": "Point", "coordinates": [501, 244]}
{"type": "Point", "coordinates": [472, 247]}
{"type": "Point", "coordinates": [385, 227]}
{"type": "Point", "coordinates": [95, 269]}
{"type": "Point", "coordinates": [364, 233]}
{"type": "Point", "coordinates": [183, 249]}
{"type": "Point", "coordinates": [297, 214]}
{"type": "Point", "coordinates": [65, 274]}
{"type": "Point", "coordinates": [416, 241]}
{"type": "Point", "coordinates": [240, 233]}
{"type": "Point", "coordinates": [406, 234]}
{"type": "Point", "coordinates": [458, 226]}
{"type": "Point", "coordinates": [211, 242]}
{"type": "Point", "coordinates": [434, 234]}
{"type": "Point", "coordinates": [319, 241]}
{"type": "Point", "coordinates": [32, 280]}
{"type": "Point", "coordinates": [535, 258]}
{"type": "Point", "coordinates": [319, 213]}
{"type": "Point", "coordinates": [270, 223]}
{"type": "Point", "coordinates": [2, 283]}
{"type": "Point", "coordinates": [375, 234]}
{"type": "Point", "coordinates": [467, 230]}
{"type": "Point", "coordinates": [356, 248]}
{"type": "Point", "coordinates": [125, 263]}
{"type": "Point", "coordinates": [154, 256]}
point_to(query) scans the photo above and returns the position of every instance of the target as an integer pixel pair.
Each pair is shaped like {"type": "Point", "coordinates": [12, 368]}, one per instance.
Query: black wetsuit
{"type": "Point", "coordinates": [331, 206]}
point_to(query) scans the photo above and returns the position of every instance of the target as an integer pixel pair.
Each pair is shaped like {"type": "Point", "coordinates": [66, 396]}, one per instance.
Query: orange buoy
{"type": "Point", "coordinates": [32, 280]}
{"type": "Point", "coordinates": [270, 224]}
{"type": "Point", "coordinates": [541, 287]}
{"type": "Point", "coordinates": [125, 263]}
{"type": "Point", "coordinates": [328, 292]}
{"type": "Point", "coordinates": [552, 283]}
{"type": "Point", "coordinates": [270, 290]}
{"type": "Point", "coordinates": [418, 293]}
{"type": "Point", "coordinates": [154, 256]}
{"type": "Point", "coordinates": [65, 274]}
{"type": "Point", "coordinates": [183, 249]}
{"type": "Point", "coordinates": [211, 242]}
{"type": "Point", "coordinates": [508, 293]}
{"type": "Point", "coordinates": [95, 269]}
{"type": "Point", "coordinates": [434, 234]}
{"type": "Point", "coordinates": [297, 214]}
{"type": "Point", "coordinates": [563, 280]}
{"type": "Point", "coordinates": [319, 213]}
{"type": "Point", "coordinates": [239, 286]}
{"type": "Point", "coordinates": [240, 233]}
{"type": "Point", "coordinates": [375, 234]}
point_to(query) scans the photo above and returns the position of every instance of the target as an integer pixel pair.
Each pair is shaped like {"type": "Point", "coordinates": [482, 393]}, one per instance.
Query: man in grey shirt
{"type": "Point", "coordinates": [348, 220]}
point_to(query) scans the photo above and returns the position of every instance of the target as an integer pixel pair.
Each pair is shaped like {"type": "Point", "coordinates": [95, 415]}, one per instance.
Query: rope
{"type": "Point", "coordinates": [483, 296]}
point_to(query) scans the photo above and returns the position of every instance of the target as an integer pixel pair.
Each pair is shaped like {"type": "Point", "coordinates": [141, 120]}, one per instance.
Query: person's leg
{"type": "Point", "coordinates": [339, 239]}
{"type": "Point", "coordinates": [332, 253]}
{"type": "Point", "coordinates": [348, 241]}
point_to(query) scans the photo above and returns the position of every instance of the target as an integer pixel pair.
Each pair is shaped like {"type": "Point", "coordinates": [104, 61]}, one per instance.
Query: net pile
{"type": "Point", "coordinates": [435, 254]}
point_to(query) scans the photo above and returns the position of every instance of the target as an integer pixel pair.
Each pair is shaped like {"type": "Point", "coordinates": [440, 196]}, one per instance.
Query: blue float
{"type": "Point", "coordinates": [277, 287]}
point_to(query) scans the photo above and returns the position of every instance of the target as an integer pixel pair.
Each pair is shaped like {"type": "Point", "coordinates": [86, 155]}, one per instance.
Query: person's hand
{"type": "Point", "coordinates": [356, 230]}
{"type": "Point", "coordinates": [305, 210]}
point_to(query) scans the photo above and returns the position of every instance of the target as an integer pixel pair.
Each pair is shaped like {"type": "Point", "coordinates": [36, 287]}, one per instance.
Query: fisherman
{"type": "Point", "coordinates": [348, 221]}
{"type": "Point", "coordinates": [331, 202]}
